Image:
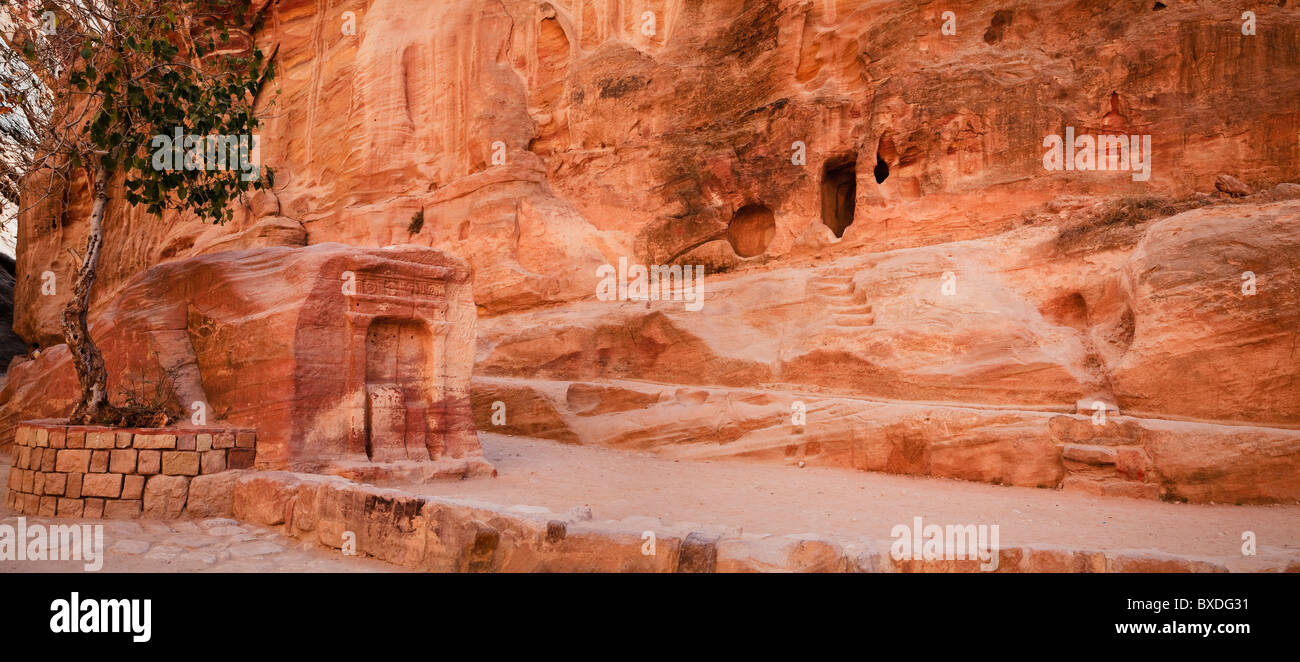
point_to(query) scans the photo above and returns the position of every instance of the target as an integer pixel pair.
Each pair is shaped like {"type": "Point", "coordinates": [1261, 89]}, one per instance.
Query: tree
{"type": "Point", "coordinates": [151, 98]}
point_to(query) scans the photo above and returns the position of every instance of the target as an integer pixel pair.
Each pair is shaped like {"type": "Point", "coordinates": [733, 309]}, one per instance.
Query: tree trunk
{"type": "Point", "coordinates": [86, 357]}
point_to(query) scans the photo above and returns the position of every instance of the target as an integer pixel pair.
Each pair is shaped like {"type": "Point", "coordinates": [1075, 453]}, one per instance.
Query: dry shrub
{"type": "Point", "coordinates": [1119, 214]}
{"type": "Point", "coordinates": [148, 403]}
{"type": "Point", "coordinates": [417, 223]}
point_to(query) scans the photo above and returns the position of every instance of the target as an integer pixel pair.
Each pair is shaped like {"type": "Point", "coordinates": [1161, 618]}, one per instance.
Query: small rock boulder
{"type": "Point", "coordinates": [1286, 191]}
{"type": "Point", "coordinates": [1231, 186]}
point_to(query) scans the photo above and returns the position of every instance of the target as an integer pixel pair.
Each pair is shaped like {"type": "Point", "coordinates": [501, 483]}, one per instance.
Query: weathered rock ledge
{"type": "Point", "coordinates": [460, 535]}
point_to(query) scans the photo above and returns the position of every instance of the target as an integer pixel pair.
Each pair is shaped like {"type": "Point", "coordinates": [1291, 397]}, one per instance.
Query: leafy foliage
{"type": "Point", "coordinates": [121, 72]}
{"type": "Point", "coordinates": [104, 89]}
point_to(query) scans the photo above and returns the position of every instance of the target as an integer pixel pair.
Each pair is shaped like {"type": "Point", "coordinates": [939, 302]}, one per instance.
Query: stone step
{"type": "Point", "coordinates": [846, 290]}
{"type": "Point", "coordinates": [1089, 454]}
{"type": "Point", "coordinates": [855, 320]}
{"type": "Point", "coordinates": [852, 309]}
{"type": "Point", "coordinates": [828, 301]}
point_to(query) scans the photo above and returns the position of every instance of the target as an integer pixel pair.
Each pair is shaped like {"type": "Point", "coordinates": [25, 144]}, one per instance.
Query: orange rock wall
{"type": "Point", "coordinates": [621, 143]}
{"type": "Point", "coordinates": [542, 140]}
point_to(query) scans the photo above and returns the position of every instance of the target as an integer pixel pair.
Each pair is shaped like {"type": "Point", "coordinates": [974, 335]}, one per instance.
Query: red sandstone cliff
{"type": "Point", "coordinates": [541, 140]}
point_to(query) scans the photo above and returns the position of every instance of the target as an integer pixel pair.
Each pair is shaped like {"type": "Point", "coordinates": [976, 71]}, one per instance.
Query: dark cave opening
{"type": "Point", "coordinates": [839, 193]}
{"type": "Point", "coordinates": [881, 171]}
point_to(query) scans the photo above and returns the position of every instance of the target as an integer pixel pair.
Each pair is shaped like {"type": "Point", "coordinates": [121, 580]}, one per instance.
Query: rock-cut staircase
{"type": "Point", "coordinates": [835, 294]}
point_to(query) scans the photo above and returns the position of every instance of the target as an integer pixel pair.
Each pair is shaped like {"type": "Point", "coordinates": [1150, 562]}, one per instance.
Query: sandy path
{"type": "Point", "coordinates": [214, 545]}
{"type": "Point", "coordinates": [752, 496]}
{"type": "Point", "coordinates": [766, 498]}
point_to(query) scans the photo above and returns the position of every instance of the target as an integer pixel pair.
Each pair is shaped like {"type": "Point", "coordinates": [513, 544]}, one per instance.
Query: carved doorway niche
{"type": "Point", "coordinates": [401, 389]}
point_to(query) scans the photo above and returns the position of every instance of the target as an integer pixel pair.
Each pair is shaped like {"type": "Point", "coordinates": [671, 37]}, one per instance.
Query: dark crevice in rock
{"type": "Point", "coordinates": [839, 193]}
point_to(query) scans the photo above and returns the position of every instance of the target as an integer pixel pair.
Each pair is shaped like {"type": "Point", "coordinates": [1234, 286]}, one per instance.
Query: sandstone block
{"type": "Point", "coordinates": [699, 553]}
{"type": "Point", "coordinates": [56, 484]}
{"type": "Point", "coordinates": [101, 439]}
{"type": "Point", "coordinates": [132, 486]}
{"type": "Point", "coordinates": [262, 497]}
{"type": "Point", "coordinates": [1050, 558]}
{"type": "Point", "coordinates": [240, 458]}
{"type": "Point", "coordinates": [122, 461]}
{"type": "Point", "coordinates": [1153, 561]}
{"type": "Point", "coordinates": [73, 460]}
{"type": "Point", "coordinates": [213, 461]}
{"type": "Point", "coordinates": [102, 485]}
{"type": "Point", "coordinates": [779, 554]}
{"type": "Point", "coordinates": [122, 509]}
{"type": "Point", "coordinates": [212, 495]}
{"type": "Point", "coordinates": [70, 508]}
{"type": "Point", "coordinates": [94, 508]}
{"type": "Point", "coordinates": [180, 463]}
{"type": "Point", "coordinates": [149, 462]}
{"type": "Point", "coordinates": [155, 441]}
{"type": "Point", "coordinates": [164, 496]}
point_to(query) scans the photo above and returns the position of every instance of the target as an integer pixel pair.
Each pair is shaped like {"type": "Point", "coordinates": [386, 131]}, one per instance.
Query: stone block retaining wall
{"type": "Point", "coordinates": [59, 470]}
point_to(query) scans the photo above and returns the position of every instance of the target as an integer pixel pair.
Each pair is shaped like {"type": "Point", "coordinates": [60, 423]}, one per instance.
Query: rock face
{"type": "Point", "coordinates": [10, 344]}
{"type": "Point", "coordinates": [866, 190]}
{"type": "Point", "coordinates": [542, 139]}
{"type": "Point", "coordinates": [338, 356]}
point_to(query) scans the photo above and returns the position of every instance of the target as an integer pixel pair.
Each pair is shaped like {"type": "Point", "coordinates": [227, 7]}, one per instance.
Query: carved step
{"type": "Point", "coordinates": [1103, 441]}
{"type": "Point", "coordinates": [855, 320]}
{"type": "Point", "coordinates": [838, 291]}
{"type": "Point", "coordinates": [852, 309]}
{"type": "Point", "coordinates": [1089, 454]}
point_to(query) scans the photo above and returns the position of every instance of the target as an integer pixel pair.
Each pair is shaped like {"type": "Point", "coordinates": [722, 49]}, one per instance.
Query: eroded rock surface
{"type": "Point", "coordinates": [340, 357]}
{"type": "Point", "coordinates": [867, 193]}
